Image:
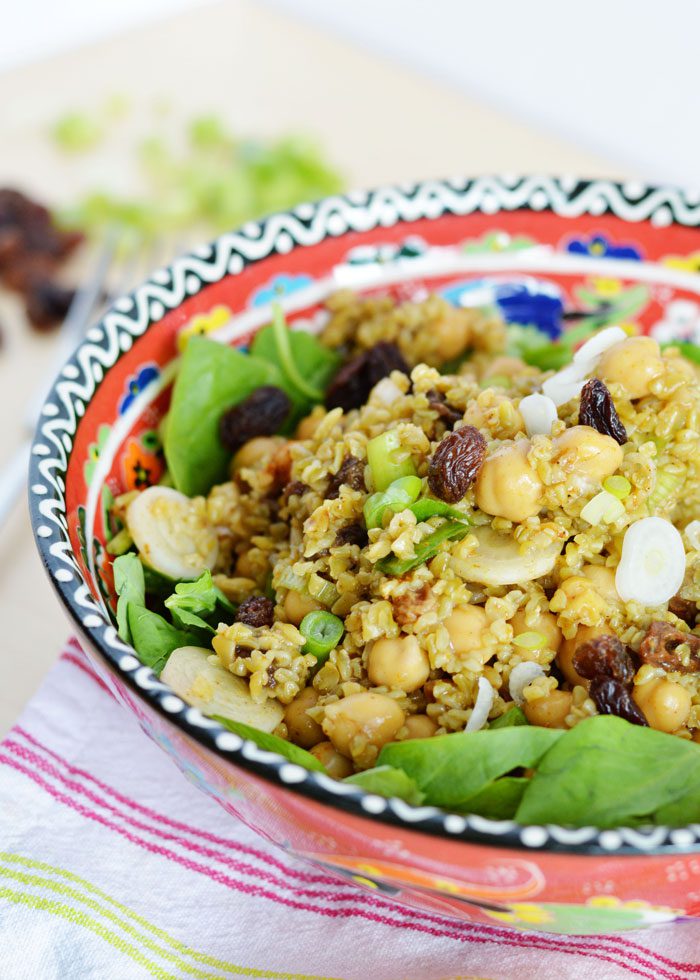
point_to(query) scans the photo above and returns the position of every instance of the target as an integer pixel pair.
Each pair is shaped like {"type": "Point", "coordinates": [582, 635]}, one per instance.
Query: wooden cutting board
{"type": "Point", "coordinates": [265, 74]}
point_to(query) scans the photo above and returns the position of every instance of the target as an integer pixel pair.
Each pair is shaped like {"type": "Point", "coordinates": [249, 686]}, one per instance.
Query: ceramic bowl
{"type": "Point", "coordinates": [545, 251]}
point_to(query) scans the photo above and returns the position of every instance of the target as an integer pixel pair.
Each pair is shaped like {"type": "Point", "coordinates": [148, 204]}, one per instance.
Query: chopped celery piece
{"type": "Point", "coordinates": [424, 550]}
{"type": "Point", "coordinates": [666, 484]}
{"type": "Point", "coordinates": [388, 460]}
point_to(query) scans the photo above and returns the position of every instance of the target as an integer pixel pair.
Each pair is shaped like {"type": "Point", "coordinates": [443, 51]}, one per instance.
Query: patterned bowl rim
{"type": "Point", "coordinates": [131, 315]}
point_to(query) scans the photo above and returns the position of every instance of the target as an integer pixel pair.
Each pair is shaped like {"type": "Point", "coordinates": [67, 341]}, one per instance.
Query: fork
{"type": "Point", "coordinates": [87, 303]}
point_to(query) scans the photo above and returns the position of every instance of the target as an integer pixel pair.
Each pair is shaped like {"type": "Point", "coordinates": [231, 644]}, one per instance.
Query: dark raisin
{"type": "Point", "coordinates": [294, 489]}
{"type": "Point", "coordinates": [262, 413]}
{"type": "Point", "coordinates": [351, 534]}
{"type": "Point", "coordinates": [351, 474]}
{"type": "Point", "coordinates": [660, 648]}
{"type": "Point", "coordinates": [605, 656]}
{"type": "Point", "coordinates": [685, 609]}
{"type": "Point", "coordinates": [352, 384]}
{"type": "Point", "coordinates": [410, 606]}
{"type": "Point", "coordinates": [449, 415]}
{"type": "Point", "coordinates": [598, 410]}
{"type": "Point", "coordinates": [456, 462]}
{"type": "Point", "coordinates": [48, 303]}
{"type": "Point", "coordinates": [257, 610]}
{"type": "Point", "coordinates": [613, 698]}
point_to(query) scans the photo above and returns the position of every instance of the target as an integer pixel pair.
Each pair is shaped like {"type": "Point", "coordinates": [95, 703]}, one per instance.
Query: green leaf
{"type": "Point", "coordinates": [300, 357]}
{"type": "Point", "coordinates": [130, 586]}
{"type": "Point", "coordinates": [154, 638]}
{"type": "Point", "coordinates": [157, 584]}
{"type": "Point", "coordinates": [608, 773]}
{"type": "Point", "coordinates": [425, 549]}
{"type": "Point", "coordinates": [387, 781]}
{"type": "Point", "coordinates": [211, 379]}
{"type": "Point", "coordinates": [183, 619]}
{"type": "Point", "coordinates": [200, 596]}
{"type": "Point", "coordinates": [514, 716]}
{"type": "Point", "coordinates": [451, 769]}
{"type": "Point", "coordinates": [498, 800]}
{"type": "Point", "coordinates": [272, 743]}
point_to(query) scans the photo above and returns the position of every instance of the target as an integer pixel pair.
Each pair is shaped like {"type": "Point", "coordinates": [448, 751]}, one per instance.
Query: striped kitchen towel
{"type": "Point", "coordinates": [113, 866]}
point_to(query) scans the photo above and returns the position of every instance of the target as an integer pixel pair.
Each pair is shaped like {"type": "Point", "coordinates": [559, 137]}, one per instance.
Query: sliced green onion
{"type": "Point", "coordinates": [397, 497]}
{"type": "Point", "coordinates": [530, 640]}
{"type": "Point", "coordinates": [284, 349]}
{"type": "Point", "coordinates": [120, 543]}
{"type": "Point", "coordinates": [618, 486]}
{"type": "Point", "coordinates": [322, 632]}
{"type": "Point", "coordinates": [425, 549]}
{"type": "Point", "coordinates": [666, 484]}
{"type": "Point", "coordinates": [388, 460]}
{"type": "Point", "coordinates": [604, 508]}
{"type": "Point", "coordinates": [427, 507]}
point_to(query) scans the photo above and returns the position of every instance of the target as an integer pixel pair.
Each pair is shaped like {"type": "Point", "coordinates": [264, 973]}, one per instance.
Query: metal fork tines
{"type": "Point", "coordinates": [111, 274]}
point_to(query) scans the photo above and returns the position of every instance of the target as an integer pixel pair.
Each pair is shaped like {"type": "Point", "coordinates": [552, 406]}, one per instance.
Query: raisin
{"type": "Point", "coordinates": [660, 648]}
{"type": "Point", "coordinates": [598, 410]}
{"type": "Point", "coordinates": [685, 609]}
{"type": "Point", "coordinates": [611, 697]}
{"type": "Point", "coordinates": [449, 415]}
{"type": "Point", "coordinates": [257, 610]}
{"type": "Point", "coordinates": [294, 489]}
{"type": "Point", "coordinates": [351, 534]}
{"type": "Point", "coordinates": [352, 384]}
{"type": "Point", "coordinates": [456, 462]}
{"type": "Point", "coordinates": [351, 474]}
{"type": "Point", "coordinates": [48, 303]}
{"type": "Point", "coordinates": [262, 413]}
{"type": "Point", "coordinates": [605, 656]}
{"type": "Point", "coordinates": [410, 606]}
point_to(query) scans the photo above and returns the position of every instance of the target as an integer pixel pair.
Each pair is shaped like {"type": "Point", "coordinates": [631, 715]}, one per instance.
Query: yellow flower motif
{"type": "Point", "coordinates": [607, 287]}
{"type": "Point", "coordinates": [630, 327]}
{"type": "Point", "coordinates": [524, 912]}
{"type": "Point", "coordinates": [632, 904]}
{"type": "Point", "coordinates": [686, 263]}
{"type": "Point", "coordinates": [203, 324]}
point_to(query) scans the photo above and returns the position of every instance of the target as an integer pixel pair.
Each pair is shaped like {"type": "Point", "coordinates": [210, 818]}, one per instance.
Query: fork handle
{"type": "Point", "coordinates": [13, 479]}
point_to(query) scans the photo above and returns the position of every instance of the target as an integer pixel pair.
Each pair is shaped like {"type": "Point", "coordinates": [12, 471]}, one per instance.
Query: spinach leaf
{"type": "Point", "coordinates": [130, 586]}
{"type": "Point", "coordinates": [201, 597]}
{"type": "Point", "coordinates": [157, 585]}
{"type": "Point", "coordinates": [498, 800]}
{"type": "Point", "coordinates": [272, 743]}
{"type": "Point", "coordinates": [387, 781]}
{"type": "Point", "coordinates": [607, 772]}
{"type": "Point", "coordinates": [451, 769]}
{"type": "Point", "coordinates": [183, 619]}
{"type": "Point", "coordinates": [305, 365]}
{"type": "Point", "coordinates": [514, 716]}
{"type": "Point", "coordinates": [154, 638]}
{"type": "Point", "coordinates": [212, 378]}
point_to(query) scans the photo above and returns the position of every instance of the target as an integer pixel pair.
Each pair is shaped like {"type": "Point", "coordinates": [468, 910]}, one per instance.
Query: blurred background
{"type": "Point", "coordinates": [151, 124]}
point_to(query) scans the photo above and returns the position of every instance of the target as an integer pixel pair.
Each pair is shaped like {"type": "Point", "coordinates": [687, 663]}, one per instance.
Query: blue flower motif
{"type": "Point", "coordinates": [527, 301]}
{"type": "Point", "coordinates": [136, 384]}
{"type": "Point", "coordinates": [282, 285]}
{"type": "Point", "coordinates": [600, 246]}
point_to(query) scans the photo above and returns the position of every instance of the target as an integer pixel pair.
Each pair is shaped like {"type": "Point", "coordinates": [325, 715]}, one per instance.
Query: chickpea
{"type": "Point", "coordinates": [246, 566]}
{"type": "Point", "coordinates": [567, 650]}
{"type": "Point", "coordinates": [549, 711]}
{"type": "Point", "coordinates": [580, 599]}
{"type": "Point", "coordinates": [337, 765]}
{"type": "Point", "coordinates": [303, 730]}
{"type": "Point", "coordinates": [360, 724]}
{"type": "Point", "coordinates": [256, 453]}
{"type": "Point", "coordinates": [420, 726]}
{"type": "Point", "coordinates": [602, 579]}
{"type": "Point", "coordinates": [632, 363]}
{"type": "Point", "coordinates": [398, 663]}
{"type": "Point", "coordinates": [665, 705]}
{"type": "Point", "coordinates": [451, 334]}
{"type": "Point", "coordinates": [465, 626]}
{"type": "Point", "coordinates": [507, 486]}
{"type": "Point", "coordinates": [296, 606]}
{"type": "Point", "coordinates": [586, 453]}
{"type": "Point", "coordinates": [544, 623]}
{"type": "Point", "coordinates": [308, 425]}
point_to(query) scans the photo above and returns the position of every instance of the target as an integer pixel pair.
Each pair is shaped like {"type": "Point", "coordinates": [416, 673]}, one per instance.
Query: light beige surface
{"type": "Point", "coordinates": [265, 74]}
